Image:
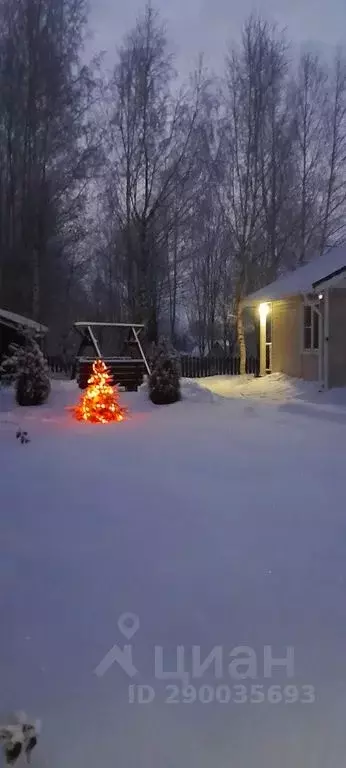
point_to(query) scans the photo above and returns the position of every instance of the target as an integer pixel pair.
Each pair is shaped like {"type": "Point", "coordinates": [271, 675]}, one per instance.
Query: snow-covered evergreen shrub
{"type": "Point", "coordinates": [26, 367]}
{"type": "Point", "coordinates": [164, 380]}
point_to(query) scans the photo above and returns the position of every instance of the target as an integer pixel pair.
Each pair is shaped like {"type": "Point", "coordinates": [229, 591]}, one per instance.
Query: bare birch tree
{"type": "Point", "coordinates": [252, 78]}
{"type": "Point", "coordinates": [47, 146]}
{"type": "Point", "coordinates": [151, 137]}
{"type": "Point", "coordinates": [309, 107]}
{"type": "Point", "coordinates": [333, 204]}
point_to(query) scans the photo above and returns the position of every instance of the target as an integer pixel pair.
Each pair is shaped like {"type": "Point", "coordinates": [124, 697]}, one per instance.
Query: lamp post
{"type": "Point", "coordinates": [263, 310]}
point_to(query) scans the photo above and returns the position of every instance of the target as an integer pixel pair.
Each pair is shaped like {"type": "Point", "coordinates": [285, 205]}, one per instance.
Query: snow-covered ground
{"type": "Point", "coordinates": [294, 395]}
{"type": "Point", "coordinates": [274, 387]}
{"type": "Point", "coordinates": [217, 522]}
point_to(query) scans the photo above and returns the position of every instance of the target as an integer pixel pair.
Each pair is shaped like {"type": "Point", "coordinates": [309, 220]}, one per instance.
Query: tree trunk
{"type": "Point", "coordinates": [152, 329]}
{"type": "Point", "coordinates": [36, 286]}
{"type": "Point", "coordinates": [241, 338]}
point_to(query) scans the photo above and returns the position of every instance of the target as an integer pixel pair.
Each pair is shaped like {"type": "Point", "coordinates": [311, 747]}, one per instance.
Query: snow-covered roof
{"type": "Point", "coordinates": [302, 280]}
{"type": "Point", "coordinates": [11, 318]}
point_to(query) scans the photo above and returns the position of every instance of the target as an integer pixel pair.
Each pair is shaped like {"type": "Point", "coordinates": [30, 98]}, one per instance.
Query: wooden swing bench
{"type": "Point", "coordinates": [127, 370]}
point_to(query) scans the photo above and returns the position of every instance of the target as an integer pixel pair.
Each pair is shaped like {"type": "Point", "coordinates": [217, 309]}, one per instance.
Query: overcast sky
{"type": "Point", "coordinates": [205, 25]}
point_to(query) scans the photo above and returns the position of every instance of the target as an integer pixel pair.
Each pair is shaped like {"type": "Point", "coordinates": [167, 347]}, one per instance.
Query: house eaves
{"type": "Point", "coordinates": [304, 280]}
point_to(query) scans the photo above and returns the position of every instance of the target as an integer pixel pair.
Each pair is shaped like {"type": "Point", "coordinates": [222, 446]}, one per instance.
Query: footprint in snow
{"type": "Point", "coordinates": [250, 409]}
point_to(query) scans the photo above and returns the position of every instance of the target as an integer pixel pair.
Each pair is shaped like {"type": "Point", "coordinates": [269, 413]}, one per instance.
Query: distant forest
{"type": "Point", "coordinates": [130, 197]}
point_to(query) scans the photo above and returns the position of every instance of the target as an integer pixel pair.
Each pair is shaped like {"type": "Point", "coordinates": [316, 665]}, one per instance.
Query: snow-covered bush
{"type": "Point", "coordinates": [164, 380]}
{"type": "Point", "coordinates": [26, 367]}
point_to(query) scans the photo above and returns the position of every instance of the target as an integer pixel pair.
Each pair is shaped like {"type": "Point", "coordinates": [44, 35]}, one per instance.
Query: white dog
{"type": "Point", "coordinates": [19, 737]}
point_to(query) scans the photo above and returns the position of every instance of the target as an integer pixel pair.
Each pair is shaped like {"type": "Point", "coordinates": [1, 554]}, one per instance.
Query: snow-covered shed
{"type": "Point", "coordinates": [11, 327]}
{"type": "Point", "coordinates": [303, 321]}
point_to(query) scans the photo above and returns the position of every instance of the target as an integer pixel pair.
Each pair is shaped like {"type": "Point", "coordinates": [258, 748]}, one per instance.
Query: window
{"type": "Point", "coordinates": [311, 329]}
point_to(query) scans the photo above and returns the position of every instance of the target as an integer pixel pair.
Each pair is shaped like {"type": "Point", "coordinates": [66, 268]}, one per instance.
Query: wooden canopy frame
{"type": "Point", "coordinates": [85, 329]}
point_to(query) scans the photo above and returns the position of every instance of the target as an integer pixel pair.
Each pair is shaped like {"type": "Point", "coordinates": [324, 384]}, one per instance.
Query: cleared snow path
{"type": "Point", "coordinates": [218, 523]}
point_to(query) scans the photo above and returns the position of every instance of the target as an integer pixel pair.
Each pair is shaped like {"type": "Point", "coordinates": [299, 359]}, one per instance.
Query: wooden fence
{"type": "Point", "coordinates": [191, 367]}
{"type": "Point", "coordinates": [195, 367]}
{"type": "Point", "coordinates": [59, 364]}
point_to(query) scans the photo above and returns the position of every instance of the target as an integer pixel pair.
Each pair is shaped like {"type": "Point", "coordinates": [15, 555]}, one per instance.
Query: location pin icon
{"type": "Point", "coordinates": [128, 624]}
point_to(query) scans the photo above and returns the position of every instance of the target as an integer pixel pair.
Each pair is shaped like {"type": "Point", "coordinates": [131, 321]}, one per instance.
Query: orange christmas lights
{"type": "Point", "coordinates": [100, 402]}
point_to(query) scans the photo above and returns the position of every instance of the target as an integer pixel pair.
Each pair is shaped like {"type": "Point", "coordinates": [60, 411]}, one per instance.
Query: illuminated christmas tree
{"type": "Point", "coordinates": [100, 401]}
